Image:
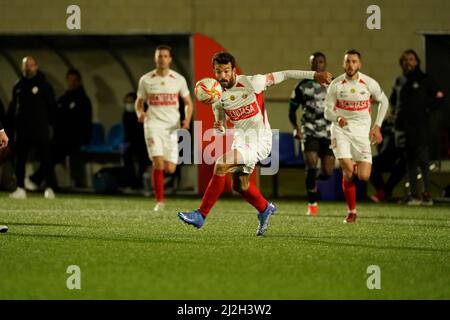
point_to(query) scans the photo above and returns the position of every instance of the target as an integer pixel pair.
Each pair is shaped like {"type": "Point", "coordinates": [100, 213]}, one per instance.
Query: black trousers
{"type": "Point", "coordinates": [136, 153]}
{"type": "Point", "coordinates": [393, 162]}
{"type": "Point", "coordinates": [23, 148]}
{"type": "Point", "coordinates": [418, 157]}
{"type": "Point", "coordinates": [58, 152]}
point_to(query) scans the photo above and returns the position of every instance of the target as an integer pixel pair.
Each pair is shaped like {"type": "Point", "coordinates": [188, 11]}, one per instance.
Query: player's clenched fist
{"type": "Point", "coordinates": [342, 121]}
{"type": "Point", "coordinates": [323, 77]}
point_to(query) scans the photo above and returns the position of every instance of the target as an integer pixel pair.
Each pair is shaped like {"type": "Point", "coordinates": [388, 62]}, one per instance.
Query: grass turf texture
{"type": "Point", "coordinates": [126, 251]}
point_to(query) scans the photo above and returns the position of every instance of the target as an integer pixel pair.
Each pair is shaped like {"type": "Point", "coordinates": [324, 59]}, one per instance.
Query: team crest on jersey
{"type": "Point", "coordinates": [353, 90]}
{"type": "Point", "coordinates": [162, 83]}
{"type": "Point", "coordinates": [415, 85]}
{"type": "Point", "coordinates": [232, 98]}
{"type": "Point", "coordinates": [35, 90]}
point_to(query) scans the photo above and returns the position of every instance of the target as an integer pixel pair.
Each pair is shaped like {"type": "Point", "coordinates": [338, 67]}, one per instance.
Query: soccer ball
{"type": "Point", "coordinates": [208, 90]}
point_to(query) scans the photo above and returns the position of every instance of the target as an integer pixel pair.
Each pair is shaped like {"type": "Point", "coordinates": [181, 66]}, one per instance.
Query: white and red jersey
{"type": "Point", "coordinates": [243, 103]}
{"type": "Point", "coordinates": [352, 99]}
{"type": "Point", "coordinates": [161, 95]}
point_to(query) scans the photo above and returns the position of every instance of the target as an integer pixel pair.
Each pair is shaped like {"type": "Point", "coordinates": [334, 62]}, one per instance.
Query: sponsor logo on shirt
{"type": "Point", "coordinates": [162, 99]}
{"type": "Point", "coordinates": [244, 112]}
{"type": "Point", "coordinates": [351, 105]}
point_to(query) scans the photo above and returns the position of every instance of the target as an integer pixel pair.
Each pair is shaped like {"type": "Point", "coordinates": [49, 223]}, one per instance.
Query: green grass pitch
{"type": "Point", "coordinates": [126, 251]}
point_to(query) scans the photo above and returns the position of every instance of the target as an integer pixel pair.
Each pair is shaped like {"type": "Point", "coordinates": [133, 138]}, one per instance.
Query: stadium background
{"type": "Point", "coordinates": [264, 35]}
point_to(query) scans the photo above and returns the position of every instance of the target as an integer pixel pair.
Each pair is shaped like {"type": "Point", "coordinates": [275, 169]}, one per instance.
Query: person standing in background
{"type": "Point", "coordinates": [33, 107]}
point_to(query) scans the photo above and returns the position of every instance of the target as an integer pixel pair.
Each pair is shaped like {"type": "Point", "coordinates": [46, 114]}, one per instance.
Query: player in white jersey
{"type": "Point", "coordinates": [242, 101]}
{"type": "Point", "coordinates": [348, 106]}
{"type": "Point", "coordinates": [161, 89]}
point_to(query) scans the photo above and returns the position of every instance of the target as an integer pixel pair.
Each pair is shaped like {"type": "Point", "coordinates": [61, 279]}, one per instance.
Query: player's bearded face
{"type": "Point", "coordinates": [225, 74]}
{"type": "Point", "coordinates": [409, 62]}
{"type": "Point", "coordinates": [352, 64]}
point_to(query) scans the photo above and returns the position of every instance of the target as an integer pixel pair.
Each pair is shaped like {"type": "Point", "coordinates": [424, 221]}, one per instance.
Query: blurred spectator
{"type": "Point", "coordinates": [414, 96]}
{"type": "Point", "coordinates": [136, 149]}
{"type": "Point", "coordinates": [32, 106]}
{"type": "Point", "coordinates": [390, 159]}
{"type": "Point", "coordinates": [72, 127]}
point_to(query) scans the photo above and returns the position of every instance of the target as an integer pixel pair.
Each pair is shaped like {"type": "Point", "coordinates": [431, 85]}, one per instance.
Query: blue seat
{"type": "Point", "coordinates": [287, 150]}
{"type": "Point", "coordinates": [97, 137]}
{"type": "Point", "coordinates": [114, 142]}
{"type": "Point", "coordinates": [116, 136]}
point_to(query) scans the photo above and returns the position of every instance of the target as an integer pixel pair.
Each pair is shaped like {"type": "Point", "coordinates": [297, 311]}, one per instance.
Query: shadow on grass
{"type": "Point", "coordinates": [319, 240]}
{"type": "Point", "coordinates": [365, 217]}
{"type": "Point", "coordinates": [41, 224]}
{"type": "Point", "coordinates": [118, 239]}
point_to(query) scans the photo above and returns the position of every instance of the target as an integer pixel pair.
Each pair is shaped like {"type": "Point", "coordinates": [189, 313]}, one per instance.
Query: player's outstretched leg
{"type": "Point", "coordinates": [252, 195]}
{"type": "Point", "coordinates": [264, 217]}
{"type": "Point", "coordinates": [212, 193]}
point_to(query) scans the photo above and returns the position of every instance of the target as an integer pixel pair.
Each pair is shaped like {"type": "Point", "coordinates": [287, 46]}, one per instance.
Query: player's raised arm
{"type": "Point", "coordinates": [262, 82]}
{"type": "Point", "coordinates": [321, 77]}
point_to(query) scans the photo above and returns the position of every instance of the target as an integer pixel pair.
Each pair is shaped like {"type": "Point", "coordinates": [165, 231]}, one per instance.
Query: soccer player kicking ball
{"type": "Point", "coordinates": [161, 88]}
{"type": "Point", "coordinates": [242, 102]}
{"type": "Point", "coordinates": [348, 106]}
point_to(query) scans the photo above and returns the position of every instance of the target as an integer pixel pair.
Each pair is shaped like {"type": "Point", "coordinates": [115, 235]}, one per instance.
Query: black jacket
{"type": "Point", "coordinates": [2, 114]}
{"type": "Point", "coordinates": [413, 98]}
{"type": "Point", "coordinates": [73, 118]}
{"type": "Point", "coordinates": [32, 108]}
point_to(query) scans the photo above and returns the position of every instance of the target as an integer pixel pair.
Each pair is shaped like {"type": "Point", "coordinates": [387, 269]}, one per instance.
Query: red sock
{"type": "Point", "coordinates": [350, 194]}
{"type": "Point", "coordinates": [255, 198]}
{"type": "Point", "coordinates": [158, 184]}
{"type": "Point", "coordinates": [212, 193]}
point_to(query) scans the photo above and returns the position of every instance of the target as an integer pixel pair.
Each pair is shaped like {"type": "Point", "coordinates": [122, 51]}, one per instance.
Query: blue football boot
{"type": "Point", "coordinates": [263, 218]}
{"type": "Point", "coordinates": [194, 218]}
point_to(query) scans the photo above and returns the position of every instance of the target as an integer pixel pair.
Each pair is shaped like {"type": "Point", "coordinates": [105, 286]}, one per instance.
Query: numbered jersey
{"type": "Point", "coordinates": [162, 97]}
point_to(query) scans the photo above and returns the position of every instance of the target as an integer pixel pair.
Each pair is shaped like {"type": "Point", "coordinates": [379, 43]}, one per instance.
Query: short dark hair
{"type": "Point", "coordinates": [409, 51]}
{"type": "Point", "coordinates": [318, 54]}
{"type": "Point", "coordinates": [73, 72]}
{"type": "Point", "coordinates": [131, 94]}
{"type": "Point", "coordinates": [353, 51]}
{"type": "Point", "coordinates": [224, 58]}
{"type": "Point", "coordinates": [164, 47]}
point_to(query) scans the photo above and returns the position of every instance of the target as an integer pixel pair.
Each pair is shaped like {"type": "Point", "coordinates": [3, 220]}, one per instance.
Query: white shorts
{"type": "Point", "coordinates": [346, 146]}
{"type": "Point", "coordinates": [252, 151]}
{"type": "Point", "coordinates": [161, 142]}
